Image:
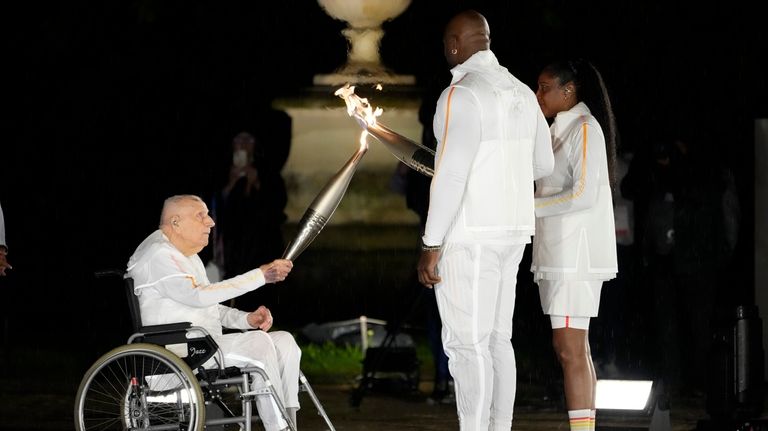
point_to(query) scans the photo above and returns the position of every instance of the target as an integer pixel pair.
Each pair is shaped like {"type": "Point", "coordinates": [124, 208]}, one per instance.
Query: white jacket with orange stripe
{"type": "Point", "coordinates": [493, 142]}
{"type": "Point", "coordinates": [175, 288]}
{"type": "Point", "coordinates": [575, 236]}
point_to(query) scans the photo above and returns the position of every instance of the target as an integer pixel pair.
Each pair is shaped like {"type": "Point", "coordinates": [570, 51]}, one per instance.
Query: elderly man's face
{"type": "Point", "coordinates": [194, 225]}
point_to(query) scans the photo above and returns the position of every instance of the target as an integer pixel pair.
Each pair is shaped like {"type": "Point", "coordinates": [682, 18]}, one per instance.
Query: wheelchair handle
{"type": "Point", "coordinates": [109, 273]}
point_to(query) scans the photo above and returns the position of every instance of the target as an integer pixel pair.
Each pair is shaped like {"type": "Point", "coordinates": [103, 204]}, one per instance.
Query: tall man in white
{"type": "Point", "coordinates": [493, 142]}
{"type": "Point", "coordinates": [172, 286]}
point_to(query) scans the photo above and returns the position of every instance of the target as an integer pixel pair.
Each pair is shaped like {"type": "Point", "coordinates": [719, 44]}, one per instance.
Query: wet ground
{"type": "Point", "coordinates": [43, 400]}
{"type": "Point", "coordinates": [377, 412]}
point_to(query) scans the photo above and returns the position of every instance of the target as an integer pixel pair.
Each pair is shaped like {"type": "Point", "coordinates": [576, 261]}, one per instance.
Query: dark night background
{"type": "Point", "coordinates": [109, 107]}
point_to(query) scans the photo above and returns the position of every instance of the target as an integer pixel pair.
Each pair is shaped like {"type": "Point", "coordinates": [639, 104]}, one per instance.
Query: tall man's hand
{"type": "Point", "coordinates": [427, 268]}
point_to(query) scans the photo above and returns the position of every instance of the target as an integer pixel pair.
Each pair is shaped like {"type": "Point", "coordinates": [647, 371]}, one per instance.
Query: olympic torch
{"type": "Point", "coordinates": [414, 155]}
{"type": "Point", "coordinates": [322, 207]}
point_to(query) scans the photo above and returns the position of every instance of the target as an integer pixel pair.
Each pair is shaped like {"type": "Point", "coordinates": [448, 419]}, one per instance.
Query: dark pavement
{"type": "Point", "coordinates": [52, 410]}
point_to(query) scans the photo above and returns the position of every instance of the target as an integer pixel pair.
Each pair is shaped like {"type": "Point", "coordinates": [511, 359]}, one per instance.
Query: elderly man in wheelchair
{"type": "Point", "coordinates": [145, 386]}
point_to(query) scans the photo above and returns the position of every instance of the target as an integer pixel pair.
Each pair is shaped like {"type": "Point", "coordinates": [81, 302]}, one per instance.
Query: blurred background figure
{"type": "Point", "coordinates": [688, 217]}
{"type": "Point", "coordinates": [610, 330]}
{"type": "Point", "coordinates": [250, 209]}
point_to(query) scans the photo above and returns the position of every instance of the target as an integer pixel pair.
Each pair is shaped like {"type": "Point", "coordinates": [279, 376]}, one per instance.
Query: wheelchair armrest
{"type": "Point", "coordinates": [170, 327]}
{"type": "Point", "coordinates": [170, 333]}
{"type": "Point", "coordinates": [237, 331]}
{"type": "Point", "coordinates": [199, 348]}
{"type": "Point", "coordinates": [226, 330]}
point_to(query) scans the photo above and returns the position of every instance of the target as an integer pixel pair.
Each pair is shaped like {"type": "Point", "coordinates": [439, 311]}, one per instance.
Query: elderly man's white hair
{"type": "Point", "coordinates": [171, 205]}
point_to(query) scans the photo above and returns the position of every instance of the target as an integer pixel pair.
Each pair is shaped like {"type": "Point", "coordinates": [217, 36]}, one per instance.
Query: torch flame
{"type": "Point", "coordinates": [357, 106]}
{"type": "Point", "coordinates": [414, 155]}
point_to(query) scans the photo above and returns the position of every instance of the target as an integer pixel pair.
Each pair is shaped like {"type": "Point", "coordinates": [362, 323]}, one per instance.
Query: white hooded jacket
{"type": "Point", "coordinates": [493, 142]}
{"type": "Point", "coordinates": [575, 235]}
{"type": "Point", "coordinates": [174, 288]}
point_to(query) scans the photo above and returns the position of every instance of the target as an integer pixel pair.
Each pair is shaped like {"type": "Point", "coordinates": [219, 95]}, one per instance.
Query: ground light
{"type": "Point", "coordinates": [629, 405]}
{"type": "Point", "coordinates": [632, 395]}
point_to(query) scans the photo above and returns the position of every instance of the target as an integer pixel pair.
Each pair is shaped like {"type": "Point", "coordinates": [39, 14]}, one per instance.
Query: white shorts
{"type": "Point", "coordinates": [570, 297]}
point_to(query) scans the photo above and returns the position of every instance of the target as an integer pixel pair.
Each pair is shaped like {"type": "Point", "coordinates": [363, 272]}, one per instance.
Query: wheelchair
{"type": "Point", "coordinates": [157, 382]}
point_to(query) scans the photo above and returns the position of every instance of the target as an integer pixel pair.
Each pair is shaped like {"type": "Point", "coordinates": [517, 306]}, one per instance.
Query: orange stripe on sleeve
{"type": "Point", "coordinates": [179, 267]}
{"type": "Point", "coordinates": [445, 128]}
{"type": "Point", "coordinates": [582, 176]}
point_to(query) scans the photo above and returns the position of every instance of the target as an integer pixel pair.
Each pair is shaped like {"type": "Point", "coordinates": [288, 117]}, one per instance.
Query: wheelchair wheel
{"type": "Point", "coordinates": [139, 386]}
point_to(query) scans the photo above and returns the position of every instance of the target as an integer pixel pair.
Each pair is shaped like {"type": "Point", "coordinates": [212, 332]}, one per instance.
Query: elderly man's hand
{"type": "Point", "coordinates": [261, 318]}
{"type": "Point", "coordinates": [277, 270]}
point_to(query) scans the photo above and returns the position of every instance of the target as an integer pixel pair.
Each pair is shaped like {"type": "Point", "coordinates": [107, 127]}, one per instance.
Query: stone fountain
{"type": "Point", "coordinates": [323, 134]}
{"type": "Point", "coordinates": [368, 249]}
{"type": "Point", "coordinates": [364, 19]}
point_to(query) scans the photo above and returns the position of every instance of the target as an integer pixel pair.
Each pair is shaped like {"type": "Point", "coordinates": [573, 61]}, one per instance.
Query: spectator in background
{"type": "Point", "coordinates": [610, 331]}
{"type": "Point", "coordinates": [250, 210]}
{"type": "Point", "coordinates": [689, 212]}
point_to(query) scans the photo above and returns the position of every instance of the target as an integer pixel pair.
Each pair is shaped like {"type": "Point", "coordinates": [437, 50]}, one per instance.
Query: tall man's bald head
{"type": "Point", "coordinates": [466, 33]}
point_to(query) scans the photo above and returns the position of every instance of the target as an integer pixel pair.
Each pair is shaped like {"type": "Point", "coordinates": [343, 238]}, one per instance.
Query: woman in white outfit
{"type": "Point", "coordinates": [574, 249]}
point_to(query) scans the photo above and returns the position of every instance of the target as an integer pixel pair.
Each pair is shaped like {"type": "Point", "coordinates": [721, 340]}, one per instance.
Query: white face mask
{"type": "Point", "coordinates": [240, 158]}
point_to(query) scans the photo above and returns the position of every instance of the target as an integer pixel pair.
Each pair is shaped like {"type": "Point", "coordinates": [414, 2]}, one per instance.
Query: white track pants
{"type": "Point", "coordinates": [280, 357]}
{"type": "Point", "coordinates": [476, 299]}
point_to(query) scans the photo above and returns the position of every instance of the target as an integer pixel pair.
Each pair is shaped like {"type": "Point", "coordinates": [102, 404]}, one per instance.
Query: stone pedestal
{"type": "Point", "coordinates": [324, 136]}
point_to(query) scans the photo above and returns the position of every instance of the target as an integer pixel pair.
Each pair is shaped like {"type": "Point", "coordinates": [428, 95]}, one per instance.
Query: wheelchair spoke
{"type": "Point", "coordinates": [143, 387]}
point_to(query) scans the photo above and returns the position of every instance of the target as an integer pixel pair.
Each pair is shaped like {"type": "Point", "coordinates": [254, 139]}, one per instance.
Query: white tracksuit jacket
{"type": "Point", "coordinates": [575, 236]}
{"type": "Point", "coordinates": [174, 288]}
{"type": "Point", "coordinates": [493, 142]}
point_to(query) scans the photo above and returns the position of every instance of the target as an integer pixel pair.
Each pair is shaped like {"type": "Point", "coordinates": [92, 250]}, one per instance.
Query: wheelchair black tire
{"type": "Point", "coordinates": [119, 373]}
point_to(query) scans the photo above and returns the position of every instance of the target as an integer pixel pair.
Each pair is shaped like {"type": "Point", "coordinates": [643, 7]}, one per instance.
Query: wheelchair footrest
{"type": "Point", "coordinates": [210, 376]}
{"type": "Point", "coordinates": [266, 389]}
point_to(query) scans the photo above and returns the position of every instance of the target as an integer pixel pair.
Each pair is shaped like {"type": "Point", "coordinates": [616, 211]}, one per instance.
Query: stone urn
{"type": "Point", "coordinates": [364, 19]}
